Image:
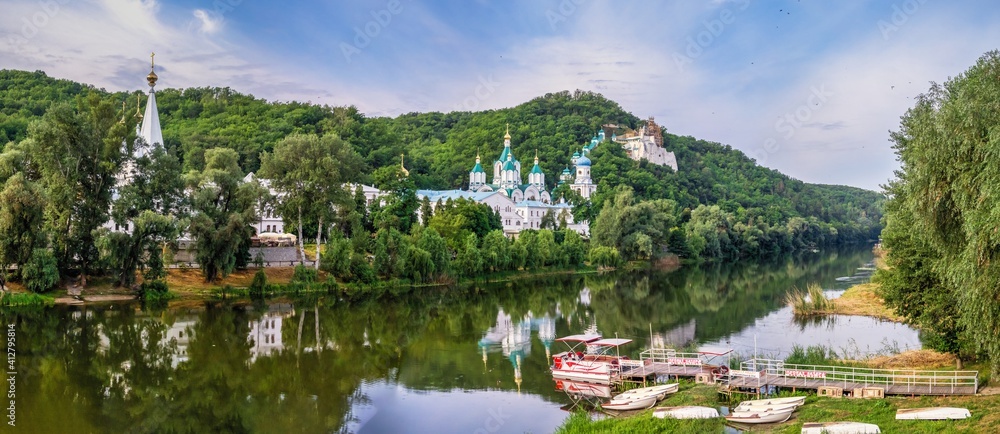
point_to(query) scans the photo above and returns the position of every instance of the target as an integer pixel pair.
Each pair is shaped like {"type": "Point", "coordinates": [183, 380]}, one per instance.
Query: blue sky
{"type": "Point", "coordinates": [810, 88]}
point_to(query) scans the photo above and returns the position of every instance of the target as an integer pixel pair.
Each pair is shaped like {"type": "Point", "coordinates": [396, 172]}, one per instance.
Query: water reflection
{"type": "Point", "coordinates": [324, 365]}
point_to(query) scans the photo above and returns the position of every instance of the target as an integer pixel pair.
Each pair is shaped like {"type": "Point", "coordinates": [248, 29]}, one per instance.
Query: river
{"type": "Point", "coordinates": [471, 359]}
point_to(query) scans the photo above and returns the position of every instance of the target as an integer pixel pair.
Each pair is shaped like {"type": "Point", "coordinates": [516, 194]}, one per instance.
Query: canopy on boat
{"type": "Point", "coordinates": [614, 342]}
{"type": "Point", "coordinates": [579, 338]}
{"type": "Point", "coordinates": [714, 351]}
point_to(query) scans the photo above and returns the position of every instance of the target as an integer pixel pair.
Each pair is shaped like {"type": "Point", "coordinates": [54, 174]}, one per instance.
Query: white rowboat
{"type": "Point", "coordinates": [763, 417]}
{"type": "Point", "coordinates": [637, 403]}
{"type": "Point", "coordinates": [762, 408]}
{"type": "Point", "coordinates": [933, 413]}
{"type": "Point", "coordinates": [840, 428]}
{"type": "Point", "coordinates": [688, 412]}
{"type": "Point", "coordinates": [797, 400]}
{"type": "Point", "coordinates": [659, 391]}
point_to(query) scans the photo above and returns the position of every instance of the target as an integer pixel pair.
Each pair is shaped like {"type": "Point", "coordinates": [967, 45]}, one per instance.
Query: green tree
{"type": "Point", "coordinates": [21, 206]}
{"type": "Point", "coordinates": [604, 257]}
{"type": "Point", "coordinates": [400, 203]}
{"type": "Point", "coordinates": [430, 241]}
{"type": "Point", "coordinates": [310, 173]}
{"type": "Point", "coordinates": [40, 273]}
{"type": "Point", "coordinates": [574, 250]}
{"type": "Point", "coordinates": [78, 152]}
{"type": "Point", "coordinates": [468, 261]}
{"type": "Point", "coordinates": [139, 250]}
{"type": "Point", "coordinates": [496, 251]}
{"type": "Point", "coordinates": [223, 211]}
{"type": "Point", "coordinates": [949, 184]}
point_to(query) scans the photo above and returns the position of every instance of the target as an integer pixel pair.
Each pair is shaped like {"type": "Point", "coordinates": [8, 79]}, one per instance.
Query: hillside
{"type": "Point", "coordinates": [440, 148]}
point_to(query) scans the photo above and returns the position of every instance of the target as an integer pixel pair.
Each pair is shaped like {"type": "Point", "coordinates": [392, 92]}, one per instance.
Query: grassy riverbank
{"type": "Point", "coordinates": [861, 299]}
{"type": "Point", "coordinates": [881, 412]}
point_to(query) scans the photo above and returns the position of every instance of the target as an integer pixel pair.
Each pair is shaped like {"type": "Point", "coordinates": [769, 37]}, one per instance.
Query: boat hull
{"type": "Point", "coordinates": [688, 412]}
{"type": "Point", "coordinates": [659, 391]}
{"type": "Point", "coordinates": [763, 408]}
{"type": "Point", "coordinates": [932, 413]}
{"type": "Point", "coordinates": [632, 404]}
{"type": "Point", "coordinates": [759, 418]}
{"type": "Point", "coordinates": [797, 400]}
{"type": "Point", "coordinates": [840, 428]}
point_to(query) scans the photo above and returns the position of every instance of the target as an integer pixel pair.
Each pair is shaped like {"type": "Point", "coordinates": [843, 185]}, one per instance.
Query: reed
{"type": "Point", "coordinates": [809, 302]}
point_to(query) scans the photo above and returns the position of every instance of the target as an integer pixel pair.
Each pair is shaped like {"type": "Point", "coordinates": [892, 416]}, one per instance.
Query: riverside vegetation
{"type": "Point", "coordinates": [63, 147]}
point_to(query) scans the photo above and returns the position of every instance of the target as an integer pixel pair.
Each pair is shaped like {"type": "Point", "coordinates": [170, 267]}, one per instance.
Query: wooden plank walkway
{"type": "Point", "coordinates": [896, 388]}
{"type": "Point", "coordinates": [759, 373]}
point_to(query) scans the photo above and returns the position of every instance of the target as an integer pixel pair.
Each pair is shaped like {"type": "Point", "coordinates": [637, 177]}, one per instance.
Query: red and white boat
{"type": "Point", "coordinates": [580, 389]}
{"type": "Point", "coordinates": [589, 359]}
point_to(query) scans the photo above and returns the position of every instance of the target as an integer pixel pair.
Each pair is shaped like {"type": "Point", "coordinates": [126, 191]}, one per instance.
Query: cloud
{"type": "Point", "coordinates": [210, 22]}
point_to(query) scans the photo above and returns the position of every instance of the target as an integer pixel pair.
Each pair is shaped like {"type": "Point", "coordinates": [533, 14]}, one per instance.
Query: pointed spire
{"type": "Point", "coordinates": [402, 166]}
{"type": "Point", "coordinates": [150, 129]}
{"type": "Point", "coordinates": [536, 156]}
{"type": "Point", "coordinates": [507, 136]}
{"type": "Point", "coordinates": [138, 106]}
{"type": "Point", "coordinates": [122, 121]}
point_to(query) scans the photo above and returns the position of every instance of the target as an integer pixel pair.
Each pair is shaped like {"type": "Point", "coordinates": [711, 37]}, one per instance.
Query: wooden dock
{"type": "Point", "coordinates": [755, 375]}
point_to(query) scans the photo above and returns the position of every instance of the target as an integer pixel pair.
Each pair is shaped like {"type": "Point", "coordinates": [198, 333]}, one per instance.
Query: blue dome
{"type": "Point", "coordinates": [583, 161]}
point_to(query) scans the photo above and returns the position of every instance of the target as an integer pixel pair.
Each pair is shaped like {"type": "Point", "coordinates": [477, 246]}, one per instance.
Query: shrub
{"type": "Point", "coordinates": [41, 273]}
{"type": "Point", "coordinates": [303, 274]}
{"type": "Point", "coordinates": [259, 284]}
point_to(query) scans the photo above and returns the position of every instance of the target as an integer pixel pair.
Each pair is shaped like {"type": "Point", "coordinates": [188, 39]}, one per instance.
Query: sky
{"type": "Point", "coordinates": [809, 88]}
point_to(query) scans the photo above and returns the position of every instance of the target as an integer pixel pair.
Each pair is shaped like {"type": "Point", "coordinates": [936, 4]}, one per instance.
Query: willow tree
{"type": "Point", "coordinates": [222, 213]}
{"type": "Point", "coordinates": [77, 153]}
{"type": "Point", "coordinates": [949, 147]}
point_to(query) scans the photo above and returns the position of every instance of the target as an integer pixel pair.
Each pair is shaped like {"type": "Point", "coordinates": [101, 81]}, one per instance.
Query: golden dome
{"type": "Point", "coordinates": [151, 78]}
{"type": "Point", "coordinates": [507, 136]}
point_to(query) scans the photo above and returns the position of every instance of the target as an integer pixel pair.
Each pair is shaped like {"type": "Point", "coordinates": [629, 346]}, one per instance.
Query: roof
{"type": "Point", "coordinates": [150, 130]}
{"type": "Point", "coordinates": [583, 161]}
{"type": "Point", "coordinates": [536, 169]}
{"type": "Point", "coordinates": [509, 165]}
{"type": "Point", "coordinates": [478, 168]}
{"type": "Point", "coordinates": [714, 351]}
{"type": "Point", "coordinates": [613, 342]}
{"type": "Point", "coordinates": [444, 195]}
{"type": "Point", "coordinates": [579, 338]}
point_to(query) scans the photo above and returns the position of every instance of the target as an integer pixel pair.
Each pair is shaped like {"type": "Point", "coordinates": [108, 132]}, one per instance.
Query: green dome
{"type": "Point", "coordinates": [478, 168]}
{"type": "Point", "coordinates": [536, 169]}
{"type": "Point", "coordinates": [510, 165]}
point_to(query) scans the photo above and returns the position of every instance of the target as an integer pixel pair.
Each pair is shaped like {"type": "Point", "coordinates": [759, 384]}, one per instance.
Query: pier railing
{"type": "Point", "coordinates": [902, 380]}
{"type": "Point", "coordinates": [669, 356]}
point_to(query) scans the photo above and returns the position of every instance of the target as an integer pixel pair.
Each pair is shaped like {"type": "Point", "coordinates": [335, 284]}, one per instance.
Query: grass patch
{"type": "Point", "coordinates": [810, 302]}
{"type": "Point", "coordinates": [864, 300]}
{"type": "Point", "coordinates": [26, 299]}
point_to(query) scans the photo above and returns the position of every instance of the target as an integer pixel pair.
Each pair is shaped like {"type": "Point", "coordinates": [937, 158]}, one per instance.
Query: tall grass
{"type": "Point", "coordinates": [810, 302]}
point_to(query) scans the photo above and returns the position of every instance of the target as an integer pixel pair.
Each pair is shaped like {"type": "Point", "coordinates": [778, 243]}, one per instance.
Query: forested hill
{"type": "Point", "coordinates": [441, 148]}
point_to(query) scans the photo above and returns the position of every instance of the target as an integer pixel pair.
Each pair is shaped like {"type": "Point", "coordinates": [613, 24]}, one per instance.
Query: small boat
{"type": "Point", "coordinates": [582, 389]}
{"type": "Point", "coordinates": [797, 400]}
{"type": "Point", "coordinates": [762, 408]}
{"type": "Point", "coordinates": [762, 417]}
{"type": "Point", "coordinates": [636, 403]}
{"type": "Point", "coordinates": [933, 413]}
{"type": "Point", "coordinates": [659, 391]}
{"type": "Point", "coordinates": [598, 365]}
{"type": "Point", "coordinates": [840, 428]}
{"type": "Point", "coordinates": [687, 412]}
